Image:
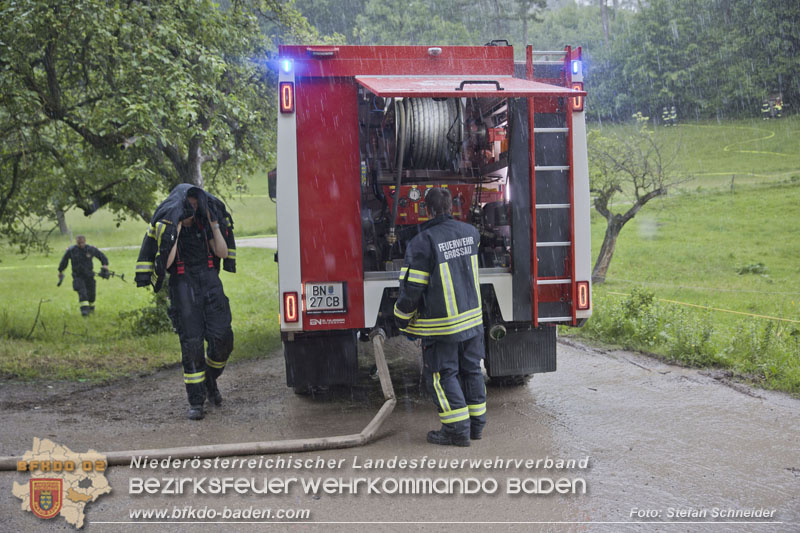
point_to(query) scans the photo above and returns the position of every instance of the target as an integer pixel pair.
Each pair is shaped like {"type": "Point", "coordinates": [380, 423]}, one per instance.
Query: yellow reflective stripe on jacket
{"type": "Point", "coordinates": [449, 290]}
{"type": "Point", "coordinates": [450, 330]}
{"type": "Point", "coordinates": [447, 321]}
{"type": "Point", "coordinates": [437, 386]}
{"type": "Point", "coordinates": [160, 227]}
{"type": "Point", "coordinates": [477, 410]}
{"type": "Point", "coordinates": [151, 231]}
{"type": "Point", "coordinates": [197, 377]}
{"type": "Point", "coordinates": [456, 415]}
{"type": "Point", "coordinates": [144, 266]}
{"type": "Point", "coordinates": [418, 276]}
{"type": "Point", "coordinates": [474, 260]}
{"type": "Point", "coordinates": [404, 316]}
{"type": "Point", "coordinates": [215, 364]}
{"type": "Point", "coordinates": [231, 253]}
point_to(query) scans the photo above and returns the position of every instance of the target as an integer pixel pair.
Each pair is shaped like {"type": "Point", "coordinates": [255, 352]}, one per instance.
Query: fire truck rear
{"type": "Point", "coordinates": [365, 132]}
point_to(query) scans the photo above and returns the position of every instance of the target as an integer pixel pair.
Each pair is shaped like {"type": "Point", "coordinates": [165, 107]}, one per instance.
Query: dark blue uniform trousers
{"type": "Point", "coordinates": [200, 312]}
{"type": "Point", "coordinates": [452, 372]}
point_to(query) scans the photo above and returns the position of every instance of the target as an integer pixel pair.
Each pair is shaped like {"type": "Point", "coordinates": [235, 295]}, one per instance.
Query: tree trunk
{"type": "Point", "coordinates": [604, 16]}
{"type": "Point", "coordinates": [194, 161]}
{"type": "Point", "coordinates": [525, 30]}
{"type": "Point", "coordinates": [606, 250]}
{"type": "Point", "coordinates": [62, 221]}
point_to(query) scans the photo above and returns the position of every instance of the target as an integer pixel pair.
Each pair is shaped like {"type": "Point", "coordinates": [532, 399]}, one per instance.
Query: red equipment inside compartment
{"type": "Point", "coordinates": [411, 208]}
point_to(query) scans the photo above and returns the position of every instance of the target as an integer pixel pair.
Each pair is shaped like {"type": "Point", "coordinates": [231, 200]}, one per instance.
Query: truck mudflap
{"type": "Point", "coordinates": [521, 351]}
{"type": "Point", "coordinates": [320, 359]}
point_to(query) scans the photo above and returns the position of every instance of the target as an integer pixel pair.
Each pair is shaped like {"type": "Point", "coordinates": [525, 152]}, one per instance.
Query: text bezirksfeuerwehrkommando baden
{"type": "Point", "coordinates": [463, 482]}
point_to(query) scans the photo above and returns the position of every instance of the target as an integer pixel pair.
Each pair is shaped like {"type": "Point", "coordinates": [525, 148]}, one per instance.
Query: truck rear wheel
{"type": "Point", "coordinates": [315, 361]}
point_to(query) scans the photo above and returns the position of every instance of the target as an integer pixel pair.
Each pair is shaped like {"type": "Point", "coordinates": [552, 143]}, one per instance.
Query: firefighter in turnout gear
{"type": "Point", "coordinates": [190, 235]}
{"type": "Point", "coordinates": [766, 110]}
{"type": "Point", "coordinates": [665, 116]}
{"type": "Point", "coordinates": [673, 116]}
{"type": "Point", "coordinates": [199, 305]}
{"type": "Point", "coordinates": [81, 255]}
{"type": "Point", "coordinates": [440, 303]}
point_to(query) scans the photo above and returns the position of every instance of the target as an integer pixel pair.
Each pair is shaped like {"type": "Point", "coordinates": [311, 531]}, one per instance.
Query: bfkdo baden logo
{"type": "Point", "coordinates": [61, 482]}
{"type": "Point", "coordinates": [46, 497]}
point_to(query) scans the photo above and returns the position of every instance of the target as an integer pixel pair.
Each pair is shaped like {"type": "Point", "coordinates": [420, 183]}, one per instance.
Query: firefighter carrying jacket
{"type": "Point", "coordinates": [199, 309]}
{"type": "Point", "coordinates": [81, 256]}
{"type": "Point", "coordinates": [151, 264]}
{"type": "Point", "coordinates": [440, 303]}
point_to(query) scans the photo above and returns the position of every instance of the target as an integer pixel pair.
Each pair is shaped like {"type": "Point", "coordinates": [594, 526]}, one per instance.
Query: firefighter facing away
{"type": "Point", "coordinates": [440, 302]}
{"type": "Point", "coordinates": [81, 255]}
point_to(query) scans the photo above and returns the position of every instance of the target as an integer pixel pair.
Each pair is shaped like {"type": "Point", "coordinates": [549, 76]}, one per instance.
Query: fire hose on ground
{"type": "Point", "coordinates": [378, 337]}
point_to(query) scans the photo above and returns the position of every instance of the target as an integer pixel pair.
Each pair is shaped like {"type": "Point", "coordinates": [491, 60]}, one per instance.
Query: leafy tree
{"type": "Point", "coordinates": [632, 165]}
{"type": "Point", "coordinates": [408, 22]}
{"type": "Point", "coordinates": [332, 17]}
{"type": "Point", "coordinates": [109, 103]}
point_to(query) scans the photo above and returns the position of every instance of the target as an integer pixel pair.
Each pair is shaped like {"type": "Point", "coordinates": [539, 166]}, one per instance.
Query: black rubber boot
{"type": "Point", "coordinates": [475, 433]}
{"type": "Point", "coordinates": [444, 439]}
{"type": "Point", "coordinates": [195, 412]}
{"type": "Point", "coordinates": [212, 391]}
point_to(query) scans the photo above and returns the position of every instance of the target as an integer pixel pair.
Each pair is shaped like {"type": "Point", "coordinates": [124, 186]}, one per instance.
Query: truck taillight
{"type": "Point", "coordinates": [290, 313]}
{"type": "Point", "coordinates": [577, 101]}
{"type": "Point", "coordinates": [287, 96]}
{"type": "Point", "coordinates": [583, 295]}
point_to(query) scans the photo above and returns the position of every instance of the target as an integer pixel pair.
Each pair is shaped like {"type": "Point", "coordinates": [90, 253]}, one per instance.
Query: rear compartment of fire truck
{"type": "Point", "coordinates": [464, 145]}
{"type": "Point", "coordinates": [480, 148]}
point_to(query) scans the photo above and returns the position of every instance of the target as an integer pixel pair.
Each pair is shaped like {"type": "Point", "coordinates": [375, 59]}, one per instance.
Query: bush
{"type": "Point", "coordinates": [151, 319]}
{"type": "Point", "coordinates": [759, 350]}
{"type": "Point", "coordinates": [754, 268]}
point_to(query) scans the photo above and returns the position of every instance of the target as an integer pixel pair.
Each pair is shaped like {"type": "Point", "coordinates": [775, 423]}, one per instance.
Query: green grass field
{"type": "Point", "coordinates": [690, 247]}
{"type": "Point", "coordinates": [735, 249]}
{"type": "Point", "coordinates": [687, 247]}
{"type": "Point", "coordinates": [711, 154]}
{"type": "Point", "coordinates": [66, 346]}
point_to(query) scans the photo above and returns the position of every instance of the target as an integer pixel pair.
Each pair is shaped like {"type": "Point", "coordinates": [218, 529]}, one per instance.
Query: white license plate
{"type": "Point", "coordinates": [324, 297]}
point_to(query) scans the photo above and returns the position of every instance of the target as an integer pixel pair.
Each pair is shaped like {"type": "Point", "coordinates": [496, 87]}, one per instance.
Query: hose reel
{"type": "Point", "coordinates": [432, 130]}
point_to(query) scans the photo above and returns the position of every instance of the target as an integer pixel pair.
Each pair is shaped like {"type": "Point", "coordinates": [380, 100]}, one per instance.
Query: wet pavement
{"type": "Point", "coordinates": [659, 439]}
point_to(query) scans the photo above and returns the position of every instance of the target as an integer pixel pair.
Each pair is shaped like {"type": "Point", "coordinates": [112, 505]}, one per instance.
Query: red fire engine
{"type": "Point", "coordinates": [365, 131]}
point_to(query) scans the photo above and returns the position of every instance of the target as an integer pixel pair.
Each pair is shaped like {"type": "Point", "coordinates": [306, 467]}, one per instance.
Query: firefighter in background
{"type": "Point", "coordinates": [81, 255]}
{"type": "Point", "coordinates": [665, 115]}
{"type": "Point", "coordinates": [440, 302]}
{"type": "Point", "coordinates": [778, 108]}
{"type": "Point", "coordinates": [198, 306]}
{"type": "Point", "coordinates": [765, 109]}
{"type": "Point", "coordinates": [673, 116]}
